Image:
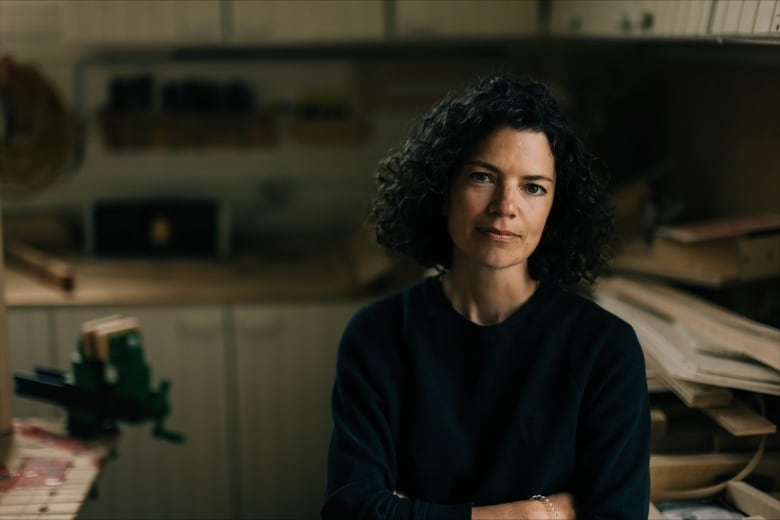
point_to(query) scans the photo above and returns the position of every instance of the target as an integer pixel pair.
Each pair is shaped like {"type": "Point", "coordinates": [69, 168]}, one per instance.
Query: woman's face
{"type": "Point", "coordinates": [499, 200]}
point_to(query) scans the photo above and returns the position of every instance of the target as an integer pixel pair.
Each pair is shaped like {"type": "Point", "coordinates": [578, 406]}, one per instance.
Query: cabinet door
{"type": "Point", "coordinates": [629, 18]}
{"type": "Point", "coordinates": [286, 358]}
{"type": "Point", "coordinates": [487, 18]}
{"type": "Point", "coordinates": [30, 345]}
{"type": "Point", "coordinates": [699, 13]}
{"type": "Point", "coordinates": [141, 21]}
{"type": "Point", "coordinates": [725, 17]}
{"type": "Point", "coordinates": [765, 12]}
{"type": "Point", "coordinates": [152, 478]}
{"type": "Point", "coordinates": [304, 21]}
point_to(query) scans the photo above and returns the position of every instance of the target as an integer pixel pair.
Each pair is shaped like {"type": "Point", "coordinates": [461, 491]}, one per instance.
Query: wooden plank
{"type": "Point", "coordinates": [658, 423]}
{"type": "Point", "coordinates": [638, 257]}
{"type": "Point", "coordinates": [43, 266]}
{"type": "Point", "coordinates": [685, 356]}
{"type": "Point", "coordinates": [664, 351]}
{"type": "Point", "coordinates": [740, 420]}
{"type": "Point", "coordinates": [721, 327]}
{"type": "Point", "coordinates": [712, 363]}
{"type": "Point", "coordinates": [728, 227]}
{"type": "Point", "coordinates": [654, 513]}
{"type": "Point", "coordinates": [694, 395]}
{"type": "Point", "coordinates": [744, 258]}
{"type": "Point", "coordinates": [655, 385]}
{"type": "Point", "coordinates": [752, 501]}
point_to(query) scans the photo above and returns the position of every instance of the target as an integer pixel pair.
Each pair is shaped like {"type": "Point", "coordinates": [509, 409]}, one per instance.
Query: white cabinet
{"type": "Point", "coordinates": [744, 18]}
{"type": "Point", "coordinates": [31, 346]}
{"type": "Point", "coordinates": [250, 390]}
{"type": "Point", "coordinates": [767, 18]}
{"type": "Point", "coordinates": [466, 18]}
{"type": "Point", "coordinates": [629, 18]}
{"type": "Point", "coordinates": [697, 17]}
{"type": "Point", "coordinates": [665, 19]}
{"type": "Point", "coordinates": [140, 21]}
{"type": "Point", "coordinates": [152, 478]}
{"type": "Point", "coordinates": [286, 358]}
{"type": "Point", "coordinates": [307, 21]}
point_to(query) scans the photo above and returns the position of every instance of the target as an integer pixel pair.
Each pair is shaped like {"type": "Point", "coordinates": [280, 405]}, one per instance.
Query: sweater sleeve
{"type": "Point", "coordinates": [362, 471]}
{"type": "Point", "coordinates": [612, 477]}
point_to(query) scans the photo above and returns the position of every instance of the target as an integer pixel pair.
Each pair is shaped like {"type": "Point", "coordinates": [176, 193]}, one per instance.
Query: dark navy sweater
{"type": "Point", "coordinates": [454, 414]}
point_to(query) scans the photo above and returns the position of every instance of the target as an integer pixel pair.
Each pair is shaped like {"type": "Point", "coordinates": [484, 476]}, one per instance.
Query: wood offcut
{"type": "Point", "coordinates": [51, 270]}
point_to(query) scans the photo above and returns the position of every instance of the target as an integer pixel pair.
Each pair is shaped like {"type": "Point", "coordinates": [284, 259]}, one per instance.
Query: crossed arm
{"type": "Point", "coordinates": [562, 503]}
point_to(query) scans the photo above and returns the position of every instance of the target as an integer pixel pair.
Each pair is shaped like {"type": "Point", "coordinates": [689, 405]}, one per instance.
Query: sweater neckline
{"type": "Point", "coordinates": [522, 314]}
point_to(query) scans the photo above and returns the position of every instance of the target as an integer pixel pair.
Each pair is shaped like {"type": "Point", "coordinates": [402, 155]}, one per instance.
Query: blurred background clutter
{"type": "Point", "coordinates": [206, 166]}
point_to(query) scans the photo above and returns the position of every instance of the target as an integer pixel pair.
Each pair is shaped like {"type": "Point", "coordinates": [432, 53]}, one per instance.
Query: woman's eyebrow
{"type": "Point", "coordinates": [486, 165]}
{"type": "Point", "coordinates": [496, 169]}
{"type": "Point", "coordinates": [538, 178]}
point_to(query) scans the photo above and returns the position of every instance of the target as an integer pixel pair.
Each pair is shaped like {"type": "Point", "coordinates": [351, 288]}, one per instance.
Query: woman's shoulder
{"type": "Point", "coordinates": [577, 301]}
{"type": "Point", "coordinates": [390, 310]}
{"type": "Point", "coordinates": [376, 331]}
{"type": "Point", "coordinates": [582, 312]}
{"type": "Point", "coordinates": [597, 340]}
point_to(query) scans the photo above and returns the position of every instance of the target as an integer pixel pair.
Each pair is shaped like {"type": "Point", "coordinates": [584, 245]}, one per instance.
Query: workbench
{"type": "Point", "coordinates": [44, 474]}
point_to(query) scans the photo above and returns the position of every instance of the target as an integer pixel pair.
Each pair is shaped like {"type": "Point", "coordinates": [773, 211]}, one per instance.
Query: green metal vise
{"type": "Point", "coordinates": [110, 382]}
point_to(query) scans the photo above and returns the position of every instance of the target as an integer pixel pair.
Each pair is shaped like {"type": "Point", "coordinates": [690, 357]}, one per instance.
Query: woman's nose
{"type": "Point", "coordinates": [503, 202]}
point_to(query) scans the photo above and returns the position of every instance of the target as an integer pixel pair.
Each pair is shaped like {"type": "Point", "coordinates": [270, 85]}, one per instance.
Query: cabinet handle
{"type": "Point", "coordinates": [647, 21]}
{"type": "Point", "coordinates": [264, 331]}
{"type": "Point", "coordinates": [188, 330]}
{"type": "Point", "coordinates": [625, 23]}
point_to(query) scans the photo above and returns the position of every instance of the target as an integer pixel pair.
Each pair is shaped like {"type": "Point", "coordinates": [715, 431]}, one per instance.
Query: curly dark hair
{"type": "Point", "coordinates": [413, 181]}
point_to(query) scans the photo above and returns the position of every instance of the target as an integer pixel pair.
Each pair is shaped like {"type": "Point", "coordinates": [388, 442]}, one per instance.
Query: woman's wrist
{"type": "Point", "coordinates": [548, 505]}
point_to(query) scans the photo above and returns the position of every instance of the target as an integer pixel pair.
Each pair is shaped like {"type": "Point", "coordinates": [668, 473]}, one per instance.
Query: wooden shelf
{"type": "Point", "coordinates": [156, 130]}
{"type": "Point", "coordinates": [329, 131]}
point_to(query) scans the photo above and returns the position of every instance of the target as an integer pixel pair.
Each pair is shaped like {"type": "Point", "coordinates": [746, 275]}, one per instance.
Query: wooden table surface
{"type": "Point", "coordinates": [147, 282]}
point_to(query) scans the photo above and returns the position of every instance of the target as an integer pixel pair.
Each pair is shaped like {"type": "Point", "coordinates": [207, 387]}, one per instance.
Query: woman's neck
{"type": "Point", "coordinates": [487, 296]}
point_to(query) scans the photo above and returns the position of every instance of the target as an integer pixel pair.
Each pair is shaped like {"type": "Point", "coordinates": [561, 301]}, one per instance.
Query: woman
{"type": "Point", "coordinates": [489, 391]}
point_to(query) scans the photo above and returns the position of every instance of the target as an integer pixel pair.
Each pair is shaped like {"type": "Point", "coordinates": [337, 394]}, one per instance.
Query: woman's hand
{"type": "Point", "coordinates": [563, 503]}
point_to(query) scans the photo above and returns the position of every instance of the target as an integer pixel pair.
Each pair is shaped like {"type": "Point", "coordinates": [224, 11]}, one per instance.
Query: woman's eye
{"type": "Point", "coordinates": [480, 177]}
{"type": "Point", "coordinates": [535, 189]}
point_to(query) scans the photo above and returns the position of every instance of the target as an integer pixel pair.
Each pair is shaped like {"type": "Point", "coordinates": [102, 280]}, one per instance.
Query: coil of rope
{"type": "Point", "coordinates": [40, 142]}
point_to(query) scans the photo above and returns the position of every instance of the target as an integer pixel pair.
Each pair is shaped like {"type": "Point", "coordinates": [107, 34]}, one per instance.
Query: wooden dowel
{"type": "Point", "coordinates": [43, 266]}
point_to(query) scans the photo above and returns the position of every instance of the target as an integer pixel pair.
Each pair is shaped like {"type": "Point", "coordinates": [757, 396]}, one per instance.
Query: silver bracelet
{"type": "Point", "coordinates": [549, 505]}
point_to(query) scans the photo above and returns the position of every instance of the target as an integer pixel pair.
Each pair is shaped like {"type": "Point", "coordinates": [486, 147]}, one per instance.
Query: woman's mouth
{"type": "Point", "coordinates": [501, 235]}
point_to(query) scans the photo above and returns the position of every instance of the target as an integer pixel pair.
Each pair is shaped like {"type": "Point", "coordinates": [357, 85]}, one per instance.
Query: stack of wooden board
{"type": "Point", "coordinates": [713, 360]}
{"type": "Point", "coordinates": [689, 340]}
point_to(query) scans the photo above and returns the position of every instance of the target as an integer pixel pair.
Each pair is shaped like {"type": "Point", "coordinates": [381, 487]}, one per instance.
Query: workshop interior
{"type": "Point", "coordinates": [184, 193]}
